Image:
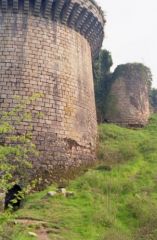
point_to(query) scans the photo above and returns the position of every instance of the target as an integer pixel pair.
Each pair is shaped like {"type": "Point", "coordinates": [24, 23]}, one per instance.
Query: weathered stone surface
{"type": "Point", "coordinates": [32, 234]}
{"type": "Point", "coordinates": [128, 101]}
{"type": "Point", "coordinates": [52, 193]}
{"type": "Point", "coordinates": [41, 50]}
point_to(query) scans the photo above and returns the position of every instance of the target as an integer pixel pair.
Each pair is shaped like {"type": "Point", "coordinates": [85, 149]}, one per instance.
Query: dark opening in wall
{"type": "Point", "coordinates": [12, 197]}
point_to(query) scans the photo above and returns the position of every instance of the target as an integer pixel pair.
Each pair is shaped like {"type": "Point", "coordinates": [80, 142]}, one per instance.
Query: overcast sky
{"type": "Point", "coordinates": [131, 32]}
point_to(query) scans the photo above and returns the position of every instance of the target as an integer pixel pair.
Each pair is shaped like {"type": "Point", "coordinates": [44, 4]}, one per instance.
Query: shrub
{"type": "Point", "coordinates": [16, 150]}
{"type": "Point", "coordinates": [16, 154]}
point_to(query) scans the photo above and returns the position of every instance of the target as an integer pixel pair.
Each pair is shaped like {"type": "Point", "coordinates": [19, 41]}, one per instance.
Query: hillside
{"type": "Point", "coordinates": [117, 200]}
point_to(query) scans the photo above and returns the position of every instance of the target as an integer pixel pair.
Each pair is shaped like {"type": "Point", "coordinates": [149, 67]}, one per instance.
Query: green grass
{"type": "Point", "coordinates": [115, 201]}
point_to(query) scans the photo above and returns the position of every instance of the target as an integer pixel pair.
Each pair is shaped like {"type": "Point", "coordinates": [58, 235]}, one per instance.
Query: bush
{"type": "Point", "coordinates": [16, 154]}
{"type": "Point", "coordinates": [16, 150]}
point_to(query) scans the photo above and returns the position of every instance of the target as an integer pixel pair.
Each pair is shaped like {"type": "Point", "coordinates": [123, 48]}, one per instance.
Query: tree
{"type": "Point", "coordinates": [153, 98]}
{"type": "Point", "coordinates": [102, 81]}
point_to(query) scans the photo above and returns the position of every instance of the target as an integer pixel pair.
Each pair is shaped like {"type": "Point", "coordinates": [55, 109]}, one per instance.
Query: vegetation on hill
{"type": "Point", "coordinates": [102, 81]}
{"type": "Point", "coordinates": [126, 70]}
{"type": "Point", "coordinates": [153, 98]}
{"type": "Point", "coordinates": [116, 200]}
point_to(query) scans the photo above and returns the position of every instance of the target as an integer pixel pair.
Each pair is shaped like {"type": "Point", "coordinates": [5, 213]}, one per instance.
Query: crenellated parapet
{"type": "Point", "coordinates": [82, 15]}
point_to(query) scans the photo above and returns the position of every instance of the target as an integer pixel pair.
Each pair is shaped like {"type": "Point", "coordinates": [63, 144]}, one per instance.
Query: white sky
{"type": "Point", "coordinates": [131, 32]}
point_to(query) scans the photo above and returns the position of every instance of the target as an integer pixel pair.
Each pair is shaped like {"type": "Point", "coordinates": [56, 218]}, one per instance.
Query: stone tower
{"type": "Point", "coordinates": [46, 46]}
{"type": "Point", "coordinates": [128, 100]}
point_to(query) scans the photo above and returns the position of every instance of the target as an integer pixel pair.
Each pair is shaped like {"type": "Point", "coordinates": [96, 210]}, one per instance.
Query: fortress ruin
{"type": "Point", "coordinates": [47, 46]}
{"type": "Point", "coordinates": [128, 99]}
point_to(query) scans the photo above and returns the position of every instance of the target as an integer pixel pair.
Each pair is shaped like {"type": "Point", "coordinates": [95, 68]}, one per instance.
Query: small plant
{"type": "Point", "coordinates": [16, 154]}
{"type": "Point", "coordinates": [16, 149]}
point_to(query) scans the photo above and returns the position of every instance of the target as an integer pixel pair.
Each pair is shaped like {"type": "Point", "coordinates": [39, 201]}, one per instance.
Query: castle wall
{"type": "Point", "coordinates": [128, 100]}
{"type": "Point", "coordinates": [40, 55]}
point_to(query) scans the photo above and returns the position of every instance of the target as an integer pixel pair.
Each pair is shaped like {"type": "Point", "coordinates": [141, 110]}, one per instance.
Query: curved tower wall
{"type": "Point", "coordinates": [46, 48]}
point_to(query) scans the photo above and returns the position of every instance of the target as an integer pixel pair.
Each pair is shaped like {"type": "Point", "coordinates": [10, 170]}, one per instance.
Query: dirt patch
{"type": "Point", "coordinates": [30, 221]}
{"type": "Point", "coordinates": [42, 233]}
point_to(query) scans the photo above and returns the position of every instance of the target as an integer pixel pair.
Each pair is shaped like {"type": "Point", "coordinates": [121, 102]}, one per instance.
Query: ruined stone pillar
{"type": "Point", "coordinates": [128, 100]}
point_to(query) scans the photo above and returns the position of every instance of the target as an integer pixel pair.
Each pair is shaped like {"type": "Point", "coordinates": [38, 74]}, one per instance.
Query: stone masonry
{"type": "Point", "coordinates": [46, 46]}
{"type": "Point", "coordinates": [128, 100]}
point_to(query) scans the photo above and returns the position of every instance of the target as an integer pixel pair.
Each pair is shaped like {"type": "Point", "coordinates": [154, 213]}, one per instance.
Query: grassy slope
{"type": "Point", "coordinates": [116, 201]}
